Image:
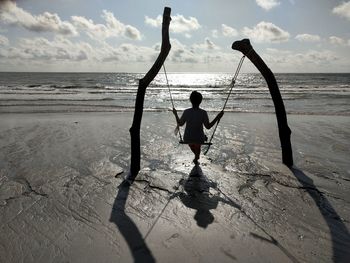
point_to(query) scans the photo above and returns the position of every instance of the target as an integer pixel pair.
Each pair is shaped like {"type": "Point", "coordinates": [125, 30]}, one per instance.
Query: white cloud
{"type": "Point", "coordinates": [42, 50]}
{"type": "Point", "coordinates": [112, 28]}
{"type": "Point", "coordinates": [178, 24]}
{"type": "Point", "coordinates": [309, 61]}
{"type": "Point", "coordinates": [120, 28]}
{"type": "Point", "coordinates": [266, 32]}
{"type": "Point", "coordinates": [93, 30]}
{"type": "Point", "coordinates": [200, 56]}
{"type": "Point", "coordinates": [11, 14]}
{"type": "Point", "coordinates": [58, 49]}
{"type": "Point", "coordinates": [3, 40]}
{"type": "Point", "coordinates": [132, 32]}
{"type": "Point", "coordinates": [267, 4]}
{"type": "Point", "coordinates": [337, 41]}
{"type": "Point", "coordinates": [126, 53]}
{"type": "Point", "coordinates": [181, 54]}
{"type": "Point", "coordinates": [343, 10]}
{"type": "Point", "coordinates": [228, 31]}
{"type": "Point", "coordinates": [308, 38]}
{"type": "Point", "coordinates": [62, 50]}
{"type": "Point", "coordinates": [215, 33]}
{"type": "Point", "coordinates": [206, 45]}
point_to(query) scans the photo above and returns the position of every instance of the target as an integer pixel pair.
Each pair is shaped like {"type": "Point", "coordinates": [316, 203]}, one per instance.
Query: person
{"type": "Point", "coordinates": [195, 118]}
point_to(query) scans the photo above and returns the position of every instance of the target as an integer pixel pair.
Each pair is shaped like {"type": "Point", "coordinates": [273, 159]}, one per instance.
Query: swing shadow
{"type": "Point", "coordinates": [339, 233]}
{"type": "Point", "coordinates": [197, 197]}
{"type": "Point", "coordinates": [128, 228]}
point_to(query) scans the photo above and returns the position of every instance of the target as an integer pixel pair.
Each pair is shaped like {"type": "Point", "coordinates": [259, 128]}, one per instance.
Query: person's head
{"type": "Point", "coordinates": [203, 218]}
{"type": "Point", "coordinates": [196, 99]}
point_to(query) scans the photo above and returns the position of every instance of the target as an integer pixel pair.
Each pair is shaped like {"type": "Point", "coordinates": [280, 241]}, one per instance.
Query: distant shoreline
{"type": "Point", "coordinates": [170, 72]}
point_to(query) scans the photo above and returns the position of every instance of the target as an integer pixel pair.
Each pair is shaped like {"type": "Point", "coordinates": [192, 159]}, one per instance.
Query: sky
{"type": "Point", "coordinates": [124, 36]}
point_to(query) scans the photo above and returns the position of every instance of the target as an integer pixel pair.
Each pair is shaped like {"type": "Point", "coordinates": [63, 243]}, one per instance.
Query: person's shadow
{"type": "Point", "coordinates": [196, 196]}
{"type": "Point", "coordinates": [339, 232]}
{"type": "Point", "coordinates": [127, 227]}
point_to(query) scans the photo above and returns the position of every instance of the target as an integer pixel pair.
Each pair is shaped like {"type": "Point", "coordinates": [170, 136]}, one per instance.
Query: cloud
{"type": "Point", "coordinates": [96, 31]}
{"type": "Point", "coordinates": [179, 24]}
{"type": "Point", "coordinates": [266, 32]}
{"type": "Point", "coordinates": [62, 50]}
{"type": "Point", "coordinates": [44, 51]}
{"type": "Point", "coordinates": [342, 10]}
{"type": "Point", "coordinates": [291, 61]}
{"type": "Point", "coordinates": [181, 54]}
{"type": "Point", "coordinates": [206, 45]}
{"type": "Point", "coordinates": [337, 41]}
{"type": "Point", "coordinates": [267, 4]}
{"type": "Point", "coordinates": [11, 14]}
{"type": "Point", "coordinates": [58, 49]}
{"type": "Point", "coordinates": [119, 28]}
{"type": "Point", "coordinates": [228, 31]}
{"type": "Point", "coordinates": [215, 33]}
{"type": "Point", "coordinates": [112, 28]}
{"type": "Point", "coordinates": [126, 54]}
{"type": "Point", "coordinates": [308, 38]}
{"type": "Point", "coordinates": [3, 40]}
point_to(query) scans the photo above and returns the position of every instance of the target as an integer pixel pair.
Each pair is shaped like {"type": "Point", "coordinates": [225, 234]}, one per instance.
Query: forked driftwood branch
{"type": "Point", "coordinates": [246, 48]}
{"type": "Point", "coordinates": [143, 84]}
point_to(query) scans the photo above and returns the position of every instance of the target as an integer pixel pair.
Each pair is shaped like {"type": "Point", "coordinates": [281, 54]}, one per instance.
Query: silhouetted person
{"type": "Point", "coordinates": [195, 118]}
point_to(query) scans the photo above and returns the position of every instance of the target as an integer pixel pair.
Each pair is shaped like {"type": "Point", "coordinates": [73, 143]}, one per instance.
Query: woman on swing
{"type": "Point", "coordinates": [195, 118]}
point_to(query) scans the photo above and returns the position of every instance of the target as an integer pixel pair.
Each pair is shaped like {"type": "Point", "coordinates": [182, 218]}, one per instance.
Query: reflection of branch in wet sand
{"type": "Point", "coordinates": [127, 227]}
{"type": "Point", "coordinates": [339, 233]}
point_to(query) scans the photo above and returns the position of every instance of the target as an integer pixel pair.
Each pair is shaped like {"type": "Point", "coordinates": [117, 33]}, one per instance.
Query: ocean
{"type": "Point", "coordinates": [321, 94]}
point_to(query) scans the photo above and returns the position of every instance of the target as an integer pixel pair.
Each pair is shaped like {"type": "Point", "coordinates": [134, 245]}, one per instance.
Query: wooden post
{"type": "Point", "coordinates": [143, 84]}
{"type": "Point", "coordinates": [246, 48]}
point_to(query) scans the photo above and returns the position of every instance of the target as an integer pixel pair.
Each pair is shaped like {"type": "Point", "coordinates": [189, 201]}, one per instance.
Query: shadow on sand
{"type": "Point", "coordinates": [196, 196]}
{"type": "Point", "coordinates": [339, 232]}
{"type": "Point", "coordinates": [127, 227]}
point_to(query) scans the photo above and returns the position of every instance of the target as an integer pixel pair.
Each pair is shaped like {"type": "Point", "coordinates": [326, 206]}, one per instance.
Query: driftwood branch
{"type": "Point", "coordinates": [245, 47]}
{"type": "Point", "coordinates": [143, 84]}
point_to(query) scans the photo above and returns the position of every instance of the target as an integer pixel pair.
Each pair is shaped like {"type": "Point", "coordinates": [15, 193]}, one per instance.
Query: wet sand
{"type": "Point", "coordinates": [62, 197]}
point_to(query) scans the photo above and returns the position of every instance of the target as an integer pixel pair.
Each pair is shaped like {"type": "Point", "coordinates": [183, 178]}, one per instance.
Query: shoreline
{"type": "Point", "coordinates": [131, 110]}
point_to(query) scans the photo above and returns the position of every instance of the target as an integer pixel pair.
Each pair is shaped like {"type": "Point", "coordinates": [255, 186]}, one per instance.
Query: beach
{"type": "Point", "coordinates": [62, 197]}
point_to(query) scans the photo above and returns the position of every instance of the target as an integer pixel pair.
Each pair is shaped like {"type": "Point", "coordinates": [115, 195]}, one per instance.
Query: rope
{"type": "Point", "coordinates": [171, 99]}
{"type": "Point", "coordinates": [223, 108]}
{"type": "Point", "coordinates": [228, 96]}
{"type": "Point", "coordinates": [167, 82]}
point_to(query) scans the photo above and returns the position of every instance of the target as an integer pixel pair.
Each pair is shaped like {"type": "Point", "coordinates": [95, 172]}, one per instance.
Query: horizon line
{"type": "Point", "coordinates": [170, 72]}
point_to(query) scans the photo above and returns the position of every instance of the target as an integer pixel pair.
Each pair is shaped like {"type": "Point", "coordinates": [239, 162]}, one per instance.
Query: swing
{"type": "Point", "coordinates": [209, 143]}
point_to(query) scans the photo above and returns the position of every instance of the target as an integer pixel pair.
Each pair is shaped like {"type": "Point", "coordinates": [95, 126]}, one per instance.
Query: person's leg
{"type": "Point", "coordinates": [196, 149]}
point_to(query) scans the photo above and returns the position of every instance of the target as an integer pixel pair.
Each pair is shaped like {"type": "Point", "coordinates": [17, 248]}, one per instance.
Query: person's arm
{"type": "Point", "coordinates": [179, 121]}
{"type": "Point", "coordinates": [208, 124]}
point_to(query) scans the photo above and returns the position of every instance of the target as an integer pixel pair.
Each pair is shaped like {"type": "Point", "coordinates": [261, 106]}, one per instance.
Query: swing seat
{"type": "Point", "coordinates": [203, 143]}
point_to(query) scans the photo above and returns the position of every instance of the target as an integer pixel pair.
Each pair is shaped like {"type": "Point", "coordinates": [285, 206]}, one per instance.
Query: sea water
{"type": "Point", "coordinates": [322, 94]}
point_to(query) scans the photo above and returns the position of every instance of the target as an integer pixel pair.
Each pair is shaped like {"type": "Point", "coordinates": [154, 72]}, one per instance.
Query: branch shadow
{"type": "Point", "coordinates": [339, 232]}
{"type": "Point", "coordinates": [128, 228]}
